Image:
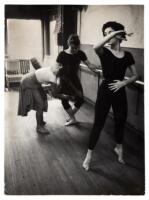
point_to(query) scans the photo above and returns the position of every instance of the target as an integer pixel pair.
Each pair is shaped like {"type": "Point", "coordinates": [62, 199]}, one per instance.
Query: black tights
{"type": "Point", "coordinates": [106, 99]}
{"type": "Point", "coordinates": [78, 101]}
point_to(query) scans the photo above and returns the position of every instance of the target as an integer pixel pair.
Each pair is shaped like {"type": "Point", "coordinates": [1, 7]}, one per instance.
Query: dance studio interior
{"type": "Point", "coordinates": [51, 164]}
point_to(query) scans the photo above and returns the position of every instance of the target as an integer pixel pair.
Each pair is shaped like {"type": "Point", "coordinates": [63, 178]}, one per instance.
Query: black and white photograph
{"type": "Point", "coordinates": [74, 120]}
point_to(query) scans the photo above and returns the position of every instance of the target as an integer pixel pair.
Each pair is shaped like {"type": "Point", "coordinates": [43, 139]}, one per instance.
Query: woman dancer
{"type": "Point", "coordinates": [33, 89]}
{"type": "Point", "coordinates": [70, 84]}
{"type": "Point", "coordinates": [111, 92]}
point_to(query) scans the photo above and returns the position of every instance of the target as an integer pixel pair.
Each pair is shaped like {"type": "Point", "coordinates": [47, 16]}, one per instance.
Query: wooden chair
{"type": "Point", "coordinates": [14, 70]}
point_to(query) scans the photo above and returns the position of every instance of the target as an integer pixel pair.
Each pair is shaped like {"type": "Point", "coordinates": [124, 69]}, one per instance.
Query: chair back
{"type": "Point", "coordinates": [12, 66]}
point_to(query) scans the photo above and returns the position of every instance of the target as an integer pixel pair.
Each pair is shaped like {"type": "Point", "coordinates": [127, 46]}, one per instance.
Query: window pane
{"type": "Point", "coordinates": [24, 39]}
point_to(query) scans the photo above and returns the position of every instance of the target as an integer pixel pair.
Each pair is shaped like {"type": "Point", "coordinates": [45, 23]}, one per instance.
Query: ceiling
{"type": "Point", "coordinates": [30, 11]}
{"type": "Point", "coordinates": [36, 11]}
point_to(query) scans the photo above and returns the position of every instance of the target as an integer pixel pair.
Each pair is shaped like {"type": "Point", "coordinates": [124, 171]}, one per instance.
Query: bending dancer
{"type": "Point", "coordinates": [70, 84]}
{"type": "Point", "coordinates": [33, 92]}
{"type": "Point", "coordinates": [111, 92]}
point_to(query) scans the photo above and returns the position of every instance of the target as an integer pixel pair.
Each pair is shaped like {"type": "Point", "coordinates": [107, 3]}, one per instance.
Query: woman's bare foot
{"type": "Point", "coordinates": [71, 121]}
{"type": "Point", "coordinates": [73, 112]}
{"type": "Point", "coordinates": [86, 164]}
{"type": "Point", "coordinates": [87, 160]}
{"type": "Point", "coordinates": [119, 152]}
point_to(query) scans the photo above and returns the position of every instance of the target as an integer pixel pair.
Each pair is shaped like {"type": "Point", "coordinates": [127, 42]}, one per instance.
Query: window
{"type": "Point", "coordinates": [24, 39]}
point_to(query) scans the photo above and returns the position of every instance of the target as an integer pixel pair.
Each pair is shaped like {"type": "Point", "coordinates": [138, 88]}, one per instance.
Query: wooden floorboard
{"type": "Point", "coordinates": [52, 164]}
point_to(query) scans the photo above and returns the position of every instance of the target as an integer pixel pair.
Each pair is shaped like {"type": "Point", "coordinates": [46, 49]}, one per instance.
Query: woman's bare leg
{"type": "Point", "coordinates": [40, 126]}
{"type": "Point", "coordinates": [72, 119]}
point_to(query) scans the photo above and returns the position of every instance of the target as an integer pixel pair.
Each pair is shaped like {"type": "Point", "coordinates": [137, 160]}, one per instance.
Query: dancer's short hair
{"type": "Point", "coordinates": [35, 63]}
{"type": "Point", "coordinates": [115, 26]}
{"type": "Point", "coordinates": [73, 39]}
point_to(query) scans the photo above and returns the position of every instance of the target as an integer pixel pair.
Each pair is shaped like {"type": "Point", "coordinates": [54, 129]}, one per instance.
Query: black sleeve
{"type": "Point", "coordinates": [102, 52]}
{"type": "Point", "coordinates": [60, 58]}
{"type": "Point", "coordinates": [83, 56]}
{"type": "Point", "coordinates": [130, 59]}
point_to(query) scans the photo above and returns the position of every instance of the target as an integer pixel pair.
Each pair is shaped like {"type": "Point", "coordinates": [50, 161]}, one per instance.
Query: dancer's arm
{"type": "Point", "coordinates": [91, 66]}
{"type": "Point", "coordinates": [134, 76]}
{"type": "Point", "coordinates": [99, 45]}
{"type": "Point", "coordinates": [46, 86]}
{"type": "Point", "coordinates": [117, 85]}
{"type": "Point", "coordinates": [54, 91]}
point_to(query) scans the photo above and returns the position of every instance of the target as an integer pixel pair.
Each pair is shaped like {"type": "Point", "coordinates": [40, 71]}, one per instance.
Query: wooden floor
{"type": "Point", "coordinates": [52, 164]}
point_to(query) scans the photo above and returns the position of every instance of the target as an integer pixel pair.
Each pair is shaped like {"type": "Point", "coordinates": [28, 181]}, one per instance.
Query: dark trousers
{"type": "Point", "coordinates": [105, 99]}
{"type": "Point", "coordinates": [40, 100]}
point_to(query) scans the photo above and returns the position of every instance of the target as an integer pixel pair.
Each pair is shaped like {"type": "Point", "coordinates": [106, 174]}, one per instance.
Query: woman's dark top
{"type": "Point", "coordinates": [114, 68]}
{"type": "Point", "coordinates": [70, 83]}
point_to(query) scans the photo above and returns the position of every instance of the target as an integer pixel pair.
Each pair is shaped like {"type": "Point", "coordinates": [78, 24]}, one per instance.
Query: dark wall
{"type": "Point", "coordinates": [69, 23]}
